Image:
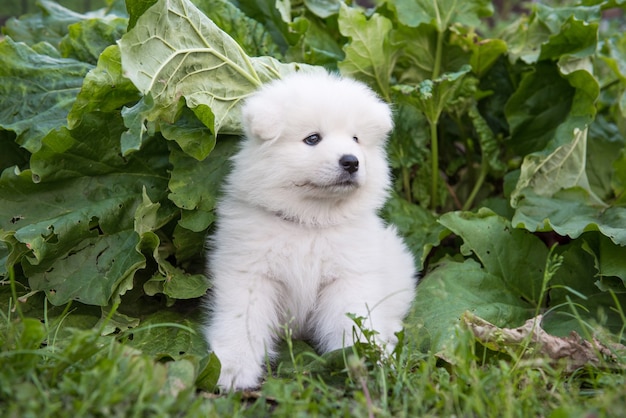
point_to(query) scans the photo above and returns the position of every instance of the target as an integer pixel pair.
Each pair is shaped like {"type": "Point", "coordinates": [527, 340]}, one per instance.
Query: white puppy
{"type": "Point", "coordinates": [298, 240]}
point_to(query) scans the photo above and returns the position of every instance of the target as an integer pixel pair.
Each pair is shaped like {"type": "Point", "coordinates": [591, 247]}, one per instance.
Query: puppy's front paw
{"type": "Point", "coordinates": [236, 375]}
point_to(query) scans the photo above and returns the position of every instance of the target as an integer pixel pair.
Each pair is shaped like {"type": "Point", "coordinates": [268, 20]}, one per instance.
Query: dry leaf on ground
{"type": "Point", "coordinates": [572, 351]}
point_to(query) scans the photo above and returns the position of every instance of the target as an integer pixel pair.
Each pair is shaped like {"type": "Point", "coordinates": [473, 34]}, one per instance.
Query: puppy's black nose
{"type": "Point", "coordinates": [349, 163]}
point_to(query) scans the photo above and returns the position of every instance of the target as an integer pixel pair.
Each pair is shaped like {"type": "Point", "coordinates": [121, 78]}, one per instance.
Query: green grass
{"type": "Point", "coordinates": [47, 370]}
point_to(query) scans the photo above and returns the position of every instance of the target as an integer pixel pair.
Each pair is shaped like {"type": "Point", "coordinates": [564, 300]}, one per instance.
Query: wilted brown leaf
{"type": "Point", "coordinates": [572, 351]}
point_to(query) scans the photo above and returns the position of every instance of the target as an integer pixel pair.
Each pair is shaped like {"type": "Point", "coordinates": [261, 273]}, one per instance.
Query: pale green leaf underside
{"type": "Point", "coordinates": [562, 169]}
{"type": "Point", "coordinates": [175, 52]}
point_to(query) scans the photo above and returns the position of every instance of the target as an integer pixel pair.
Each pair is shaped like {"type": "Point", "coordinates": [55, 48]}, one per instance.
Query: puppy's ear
{"type": "Point", "coordinates": [381, 119]}
{"type": "Point", "coordinates": [261, 119]}
{"type": "Point", "coordinates": [386, 119]}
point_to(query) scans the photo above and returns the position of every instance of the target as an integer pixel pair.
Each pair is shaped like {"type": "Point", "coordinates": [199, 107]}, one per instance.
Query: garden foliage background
{"type": "Point", "coordinates": [116, 127]}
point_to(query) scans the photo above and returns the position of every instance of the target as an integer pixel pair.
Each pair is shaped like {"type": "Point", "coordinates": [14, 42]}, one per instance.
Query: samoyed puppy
{"type": "Point", "coordinates": [298, 241]}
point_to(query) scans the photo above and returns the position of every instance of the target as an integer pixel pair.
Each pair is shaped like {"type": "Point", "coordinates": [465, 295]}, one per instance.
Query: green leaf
{"type": "Point", "coordinates": [76, 217]}
{"type": "Point", "coordinates": [562, 169]}
{"type": "Point", "coordinates": [569, 212]}
{"type": "Point", "coordinates": [577, 38]}
{"type": "Point", "coordinates": [323, 8]}
{"type": "Point", "coordinates": [192, 136]}
{"type": "Point", "coordinates": [419, 49]}
{"type": "Point", "coordinates": [500, 281]}
{"type": "Point", "coordinates": [609, 259]}
{"type": "Point", "coordinates": [273, 16]}
{"type": "Point", "coordinates": [555, 17]}
{"type": "Point", "coordinates": [175, 51]}
{"type": "Point", "coordinates": [618, 181]}
{"type": "Point", "coordinates": [88, 38]}
{"type": "Point", "coordinates": [433, 96]}
{"type": "Point", "coordinates": [169, 280]}
{"type": "Point", "coordinates": [189, 287]}
{"type": "Point", "coordinates": [452, 288]}
{"type": "Point", "coordinates": [549, 33]}
{"type": "Point", "coordinates": [317, 45]}
{"type": "Point", "coordinates": [613, 53]}
{"type": "Point", "coordinates": [370, 56]}
{"type": "Point", "coordinates": [189, 246]}
{"type": "Point", "coordinates": [524, 38]}
{"type": "Point", "coordinates": [485, 53]}
{"type": "Point", "coordinates": [577, 298]}
{"type": "Point", "coordinates": [253, 37]}
{"type": "Point", "coordinates": [514, 255]}
{"type": "Point", "coordinates": [442, 13]}
{"type": "Point", "coordinates": [50, 24]}
{"type": "Point", "coordinates": [544, 111]}
{"type": "Point", "coordinates": [135, 9]}
{"type": "Point", "coordinates": [195, 185]}
{"type": "Point", "coordinates": [209, 374]}
{"type": "Point", "coordinates": [167, 333]}
{"type": "Point", "coordinates": [605, 147]}
{"type": "Point", "coordinates": [139, 119]}
{"type": "Point", "coordinates": [540, 104]}
{"type": "Point", "coordinates": [107, 263]}
{"type": "Point", "coordinates": [417, 225]}
{"type": "Point", "coordinates": [38, 89]}
{"type": "Point", "coordinates": [580, 74]}
{"type": "Point", "coordinates": [104, 89]}
{"type": "Point", "coordinates": [408, 146]}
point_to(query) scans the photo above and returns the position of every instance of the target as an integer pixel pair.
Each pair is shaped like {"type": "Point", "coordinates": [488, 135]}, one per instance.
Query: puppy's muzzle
{"type": "Point", "coordinates": [349, 163]}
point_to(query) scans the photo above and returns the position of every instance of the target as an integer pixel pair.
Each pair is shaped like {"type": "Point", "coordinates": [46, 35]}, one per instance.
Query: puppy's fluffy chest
{"type": "Point", "coordinates": [304, 261]}
{"type": "Point", "coordinates": [300, 260]}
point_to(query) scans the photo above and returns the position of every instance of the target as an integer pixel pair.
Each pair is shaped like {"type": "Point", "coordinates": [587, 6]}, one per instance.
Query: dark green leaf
{"type": "Point", "coordinates": [449, 290]}
{"type": "Point", "coordinates": [88, 38]}
{"type": "Point", "coordinates": [370, 56]}
{"type": "Point", "coordinates": [50, 24]}
{"type": "Point", "coordinates": [38, 90]}
{"type": "Point", "coordinates": [323, 8]}
{"type": "Point", "coordinates": [77, 217]}
{"type": "Point", "coordinates": [570, 213]}
{"type": "Point", "coordinates": [195, 185]}
{"type": "Point", "coordinates": [575, 296]}
{"type": "Point", "coordinates": [443, 13]}
{"type": "Point", "coordinates": [93, 272]}
{"type": "Point", "coordinates": [192, 136]}
{"type": "Point", "coordinates": [514, 255]}
{"type": "Point", "coordinates": [433, 96]}
{"type": "Point", "coordinates": [417, 225]}
{"type": "Point", "coordinates": [207, 378]}
{"type": "Point", "coordinates": [577, 38]}
{"type": "Point", "coordinates": [105, 89]}
{"type": "Point", "coordinates": [168, 333]}
{"type": "Point", "coordinates": [253, 37]}
{"type": "Point", "coordinates": [541, 103]}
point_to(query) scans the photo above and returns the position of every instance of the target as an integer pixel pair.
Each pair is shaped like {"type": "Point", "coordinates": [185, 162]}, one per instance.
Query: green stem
{"type": "Point", "coordinates": [438, 52]}
{"type": "Point", "coordinates": [484, 169]}
{"type": "Point", "coordinates": [434, 145]}
{"type": "Point", "coordinates": [406, 184]}
{"type": "Point", "coordinates": [434, 158]}
{"type": "Point", "coordinates": [16, 302]}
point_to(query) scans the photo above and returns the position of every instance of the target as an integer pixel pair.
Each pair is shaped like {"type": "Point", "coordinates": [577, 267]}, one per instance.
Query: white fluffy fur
{"type": "Point", "coordinates": [298, 239]}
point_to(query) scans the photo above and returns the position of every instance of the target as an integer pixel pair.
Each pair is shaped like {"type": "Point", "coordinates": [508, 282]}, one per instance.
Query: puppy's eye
{"type": "Point", "coordinates": [313, 139]}
{"type": "Point", "coordinates": [356, 139]}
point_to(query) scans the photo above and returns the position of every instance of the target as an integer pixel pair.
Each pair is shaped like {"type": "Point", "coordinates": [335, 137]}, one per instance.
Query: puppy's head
{"type": "Point", "coordinates": [315, 137]}
{"type": "Point", "coordinates": [315, 99]}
